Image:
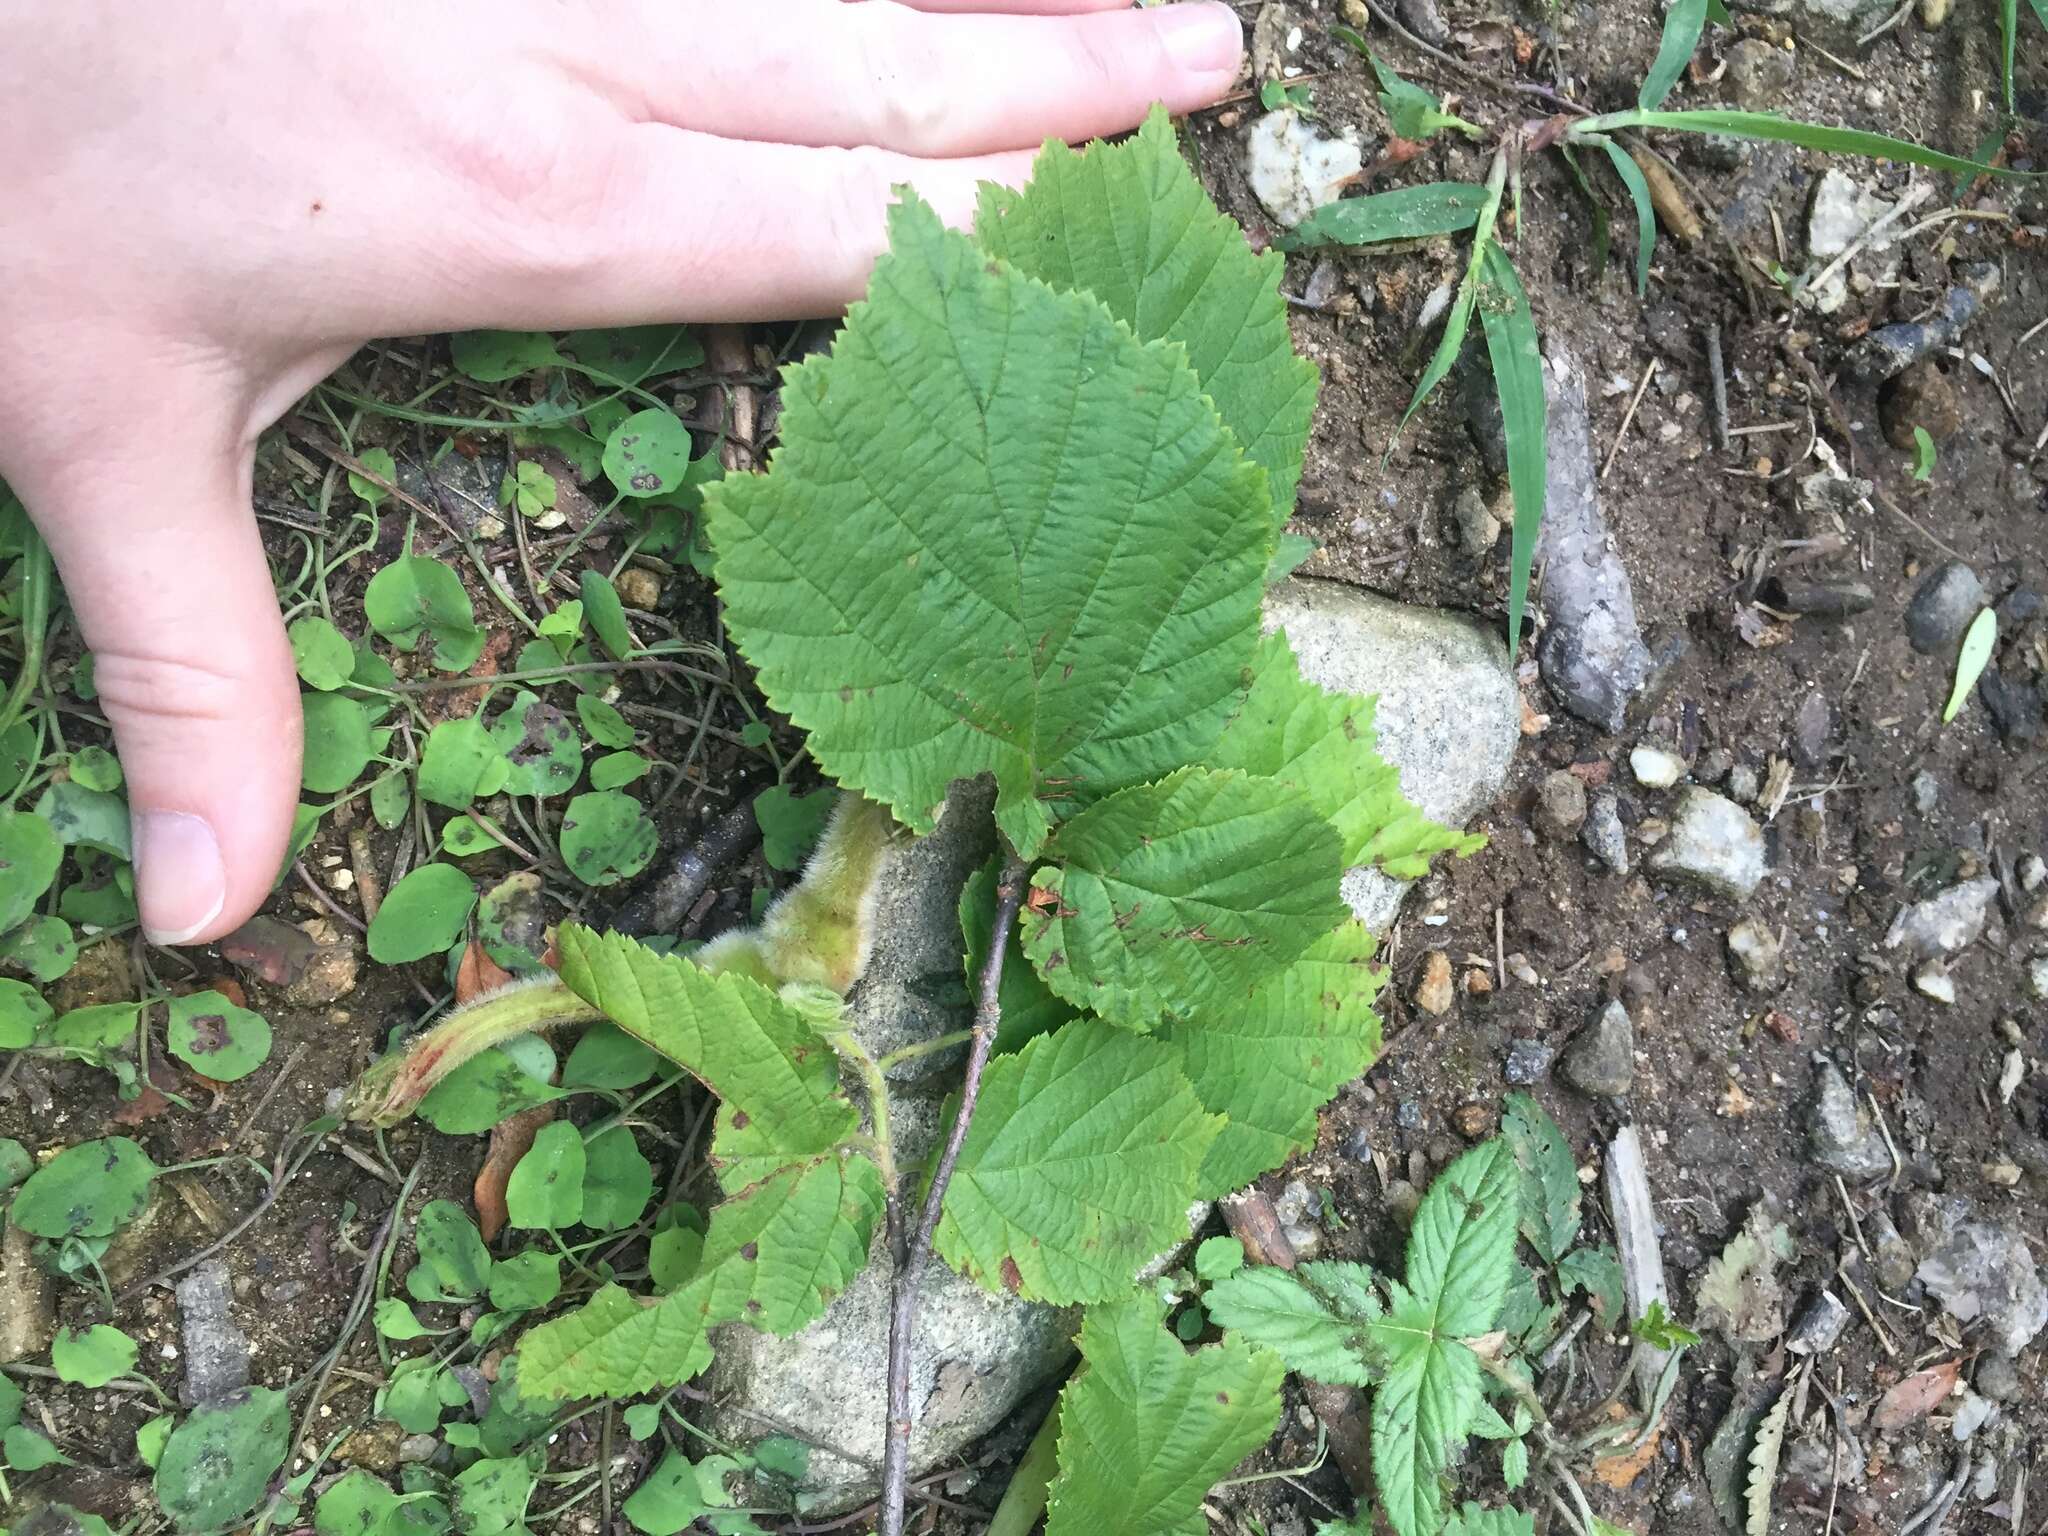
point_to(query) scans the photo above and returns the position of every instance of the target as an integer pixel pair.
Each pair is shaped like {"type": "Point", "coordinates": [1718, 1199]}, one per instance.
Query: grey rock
{"type": "Point", "coordinates": [977, 1354]}
{"type": "Point", "coordinates": [1424, 21]}
{"type": "Point", "coordinates": [1294, 167]}
{"type": "Point", "coordinates": [1892, 349]}
{"type": "Point", "coordinates": [1949, 597]}
{"type": "Point", "coordinates": [1810, 730]}
{"type": "Point", "coordinates": [1591, 651]}
{"type": "Point", "coordinates": [1759, 957]}
{"type": "Point", "coordinates": [1759, 74]}
{"type": "Point", "coordinates": [1603, 833]}
{"type": "Point", "coordinates": [1449, 716]}
{"type": "Point", "coordinates": [1933, 980]}
{"type": "Point", "coordinates": [1712, 844]}
{"type": "Point", "coordinates": [1822, 599]}
{"type": "Point", "coordinates": [1972, 1415]}
{"type": "Point", "coordinates": [1528, 1061]}
{"type": "Point", "coordinates": [1296, 1204]}
{"type": "Point", "coordinates": [1843, 1139]}
{"type": "Point", "coordinates": [27, 1319]}
{"type": "Point", "coordinates": [1926, 792]}
{"type": "Point", "coordinates": [217, 1353]}
{"type": "Point", "coordinates": [1408, 1114]}
{"type": "Point", "coordinates": [1985, 1273]}
{"type": "Point", "coordinates": [1944, 923]}
{"type": "Point", "coordinates": [1478, 528]}
{"type": "Point", "coordinates": [1601, 1059]}
{"type": "Point", "coordinates": [1744, 784]}
{"type": "Point", "coordinates": [2014, 705]}
{"type": "Point", "coordinates": [1560, 805]}
{"type": "Point", "coordinates": [1820, 1325]}
{"type": "Point", "coordinates": [1998, 1376]}
{"type": "Point", "coordinates": [1894, 1256]}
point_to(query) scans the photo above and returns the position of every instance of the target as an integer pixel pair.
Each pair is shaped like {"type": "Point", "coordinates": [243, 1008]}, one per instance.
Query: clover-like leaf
{"type": "Point", "coordinates": [1130, 224]}
{"type": "Point", "coordinates": [86, 818]}
{"type": "Point", "coordinates": [94, 1356]}
{"type": "Point", "coordinates": [454, 1263]}
{"type": "Point", "coordinates": [618, 1181]}
{"type": "Point", "coordinates": [1040, 480]}
{"type": "Point", "coordinates": [321, 652]}
{"type": "Point", "coordinates": [23, 1015]}
{"type": "Point", "coordinates": [338, 743]}
{"type": "Point", "coordinates": [1181, 894]}
{"type": "Point", "coordinates": [790, 823]}
{"type": "Point", "coordinates": [29, 857]}
{"type": "Point", "coordinates": [647, 454]}
{"type": "Point", "coordinates": [461, 761]}
{"type": "Point", "coordinates": [1079, 1165]}
{"type": "Point", "coordinates": [490, 1086]}
{"type": "Point", "coordinates": [540, 745]}
{"type": "Point", "coordinates": [545, 1191]}
{"type": "Point", "coordinates": [492, 357]}
{"type": "Point", "coordinates": [1148, 1427]}
{"type": "Point", "coordinates": [45, 947]}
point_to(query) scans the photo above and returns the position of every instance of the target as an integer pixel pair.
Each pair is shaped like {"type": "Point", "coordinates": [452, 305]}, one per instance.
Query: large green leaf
{"type": "Point", "coordinates": [1078, 1167]}
{"type": "Point", "coordinates": [982, 456]}
{"type": "Point", "coordinates": [1181, 894]}
{"type": "Point", "coordinates": [1148, 1428]}
{"type": "Point", "coordinates": [1270, 1307]}
{"type": "Point", "coordinates": [1270, 1060]}
{"type": "Point", "coordinates": [1518, 379]}
{"type": "Point", "coordinates": [1130, 224]}
{"type": "Point", "coordinates": [1322, 744]}
{"type": "Point", "coordinates": [1460, 1259]}
{"type": "Point", "coordinates": [774, 1258]}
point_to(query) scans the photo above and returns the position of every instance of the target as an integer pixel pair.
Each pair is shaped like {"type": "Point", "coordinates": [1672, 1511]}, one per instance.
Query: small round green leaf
{"type": "Point", "coordinates": [390, 799]}
{"type": "Point", "coordinates": [647, 454]}
{"type": "Point", "coordinates": [215, 1038]}
{"type": "Point", "coordinates": [540, 745]}
{"type": "Point", "coordinates": [615, 770]}
{"type": "Point", "coordinates": [94, 1357]}
{"type": "Point", "coordinates": [338, 742]}
{"type": "Point", "coordinates": [610, 1059]}
{"type": "Point", "coordinates": [605, 725]}
{"type": "Point", "coordinates": [618, 1181]}
{"type": "Point", "coordinates": [45, 947]}
{"type": "Point", "coordinates": [606, 837]}
{"type": "Point", "coordinates": [607, 615]}
{"type": "Point", "coordinates": [321, 652]}
{"type": "Point", "coordinates": [512, 921]}
{"type": "Point", "coordinates": [454, 1263]}
{"type": "Point", "coordinates": [217, 1465]}
{"type": "Point", "coordinates": [86, 818]}
{"type": "Point", "coordinates": [491, 1495]}
{"type": "Point", "coordinates": [463, 838]}
{"type": "Point", "coordinates": [151, 1438]}
{"type": "Point", "coordinates": [357, 1504]}
{"type": "Point", "coordinates": [422, 915]}
{"type": "Point", "coordinates": [490, 1086]}
{"type": "Point", "coordinates": [95, 768]}
{"type": "Point", "coordinates": [23, 1013]}
{"type": "Point", "coordinates": [460, 760]}
{"type": "Point", "coordinates": [790, 823]}
{"type": "Point", "coordinates": [395, 1320]}
{"type": "Point", "coordinates": [628, 354]}
{"type": "Point", "coordinates": [525, 1281]}
{"type": "Point", "coordinates": [378, 462]}
{"type": "Point", "coordinates": [416, 598]}
{"type": "Point", "coordinates": [545, 1191]}
{"type": "Point", "coordinates": [491, 357]}
{"type": "Point", "coordinates": [29, 856]}
{"type": "Point", "coordinates": [90, 1190]}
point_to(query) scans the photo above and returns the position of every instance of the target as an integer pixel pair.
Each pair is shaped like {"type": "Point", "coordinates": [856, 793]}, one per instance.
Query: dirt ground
{"type": "Point", "coordinates": [1724, 1077]}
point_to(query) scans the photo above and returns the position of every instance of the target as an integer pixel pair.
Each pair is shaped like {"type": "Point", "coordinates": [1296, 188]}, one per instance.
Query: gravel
{"type": "Point", "coordinates": [1713, 844]}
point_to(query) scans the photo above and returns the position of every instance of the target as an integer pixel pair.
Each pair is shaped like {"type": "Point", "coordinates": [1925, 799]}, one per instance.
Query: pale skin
{"type": "Point", "coordinates": [204, 209]}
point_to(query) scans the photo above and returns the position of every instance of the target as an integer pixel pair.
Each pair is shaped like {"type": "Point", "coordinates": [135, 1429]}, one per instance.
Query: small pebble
{"type": "Point", "coordinates": [1656, 767]}
{"type": "Point", "coordinates": [1528, 1061]}
{"type": "Point", "coordinates": [1433, 994]}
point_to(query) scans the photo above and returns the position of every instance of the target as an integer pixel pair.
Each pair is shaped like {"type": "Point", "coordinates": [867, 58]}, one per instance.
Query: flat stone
{"type": "Point", "coordinates": [1712, 843]}
{"type": "Point", "coordinates": [1944, 923]}
{"type": "Point", "coordinates": [1560, 804]}
{"type": "Point", "coordinates": [1947, 600]}
{"type": "Point", "coordinates": [1759, 957]}
{"type": "Point", "coordinates": [1601, 1058]}
{"type": "Point", "coordinates": [1294, 167]}
{"type": "Point", "coordinates": [216, 1352]}
{"type": "Point", "coordinates": [1449, 715]}
{"type": "Point", "coordinates": [1603, 834]}
{"type": "Point", "coordinates": [1984, 1272]}
{"type": "Point", "coordinates": [1844, 1141]}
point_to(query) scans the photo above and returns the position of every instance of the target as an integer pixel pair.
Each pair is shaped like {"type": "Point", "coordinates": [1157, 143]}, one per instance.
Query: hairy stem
{"type": "Point", "coordinates": [911, 1251]}
{"type": "Point", "coordinates": [393, 1087]}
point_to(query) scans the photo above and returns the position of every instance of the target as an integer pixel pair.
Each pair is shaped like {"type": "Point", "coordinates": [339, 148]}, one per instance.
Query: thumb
{"type": "Point", "coordinates": [165, 572]}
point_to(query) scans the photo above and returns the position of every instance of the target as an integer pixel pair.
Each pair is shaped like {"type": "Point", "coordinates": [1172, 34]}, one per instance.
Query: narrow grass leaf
{"type": "Point", "coordinates": [1683, 24]}
{"type": "Point", "coordinates": [1518, 376]}
{"type": "Point", "coordinates": [1646, 216]}
{"type": "Point", "coordinates": [1785, 130]}
{"type": "Point", "coordinates": [1978, 641]}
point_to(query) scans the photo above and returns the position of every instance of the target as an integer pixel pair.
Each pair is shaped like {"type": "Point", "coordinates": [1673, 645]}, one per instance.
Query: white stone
{"type": "Point", "coordinates": [1655, 768]}
{"type": "Point", "coordinates": [1294, 168]}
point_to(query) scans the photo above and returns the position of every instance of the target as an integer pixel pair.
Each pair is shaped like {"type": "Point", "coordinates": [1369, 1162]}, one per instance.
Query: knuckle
{"type": "Point", "coordinates": [915, 110]}
{"type": "Point", "coordinates": [136, 688]}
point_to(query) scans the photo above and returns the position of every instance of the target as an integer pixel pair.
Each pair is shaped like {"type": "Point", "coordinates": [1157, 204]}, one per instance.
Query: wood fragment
{"type": "Point", "coordinates": [1634, 1216]}
{"type": "Point", "coordinates": [1674, 210]}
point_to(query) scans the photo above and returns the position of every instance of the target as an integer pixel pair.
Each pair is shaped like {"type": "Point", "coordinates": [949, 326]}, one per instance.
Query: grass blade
{"type": "Point", "coordinates": [1785, 130]}
{"type": "Point", "coordinates": [1683, 24]}
{"type": "Point", "coordinates": [1460, 318]}
{"type": "Point", "coordinates": [1632, 177]}
{"type": "Point", "coordinates": [1594, 206]}
{"type": "Point", "coordinates": [1525, 414]}
{"type": "Point", "coordinates": [1978, 642]}
{"type": "Point", "coordinates": [1406, 213]}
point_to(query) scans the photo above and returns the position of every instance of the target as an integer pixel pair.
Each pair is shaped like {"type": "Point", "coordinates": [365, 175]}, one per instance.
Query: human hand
{"type": "Point", "coordinates": [205, 209]}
